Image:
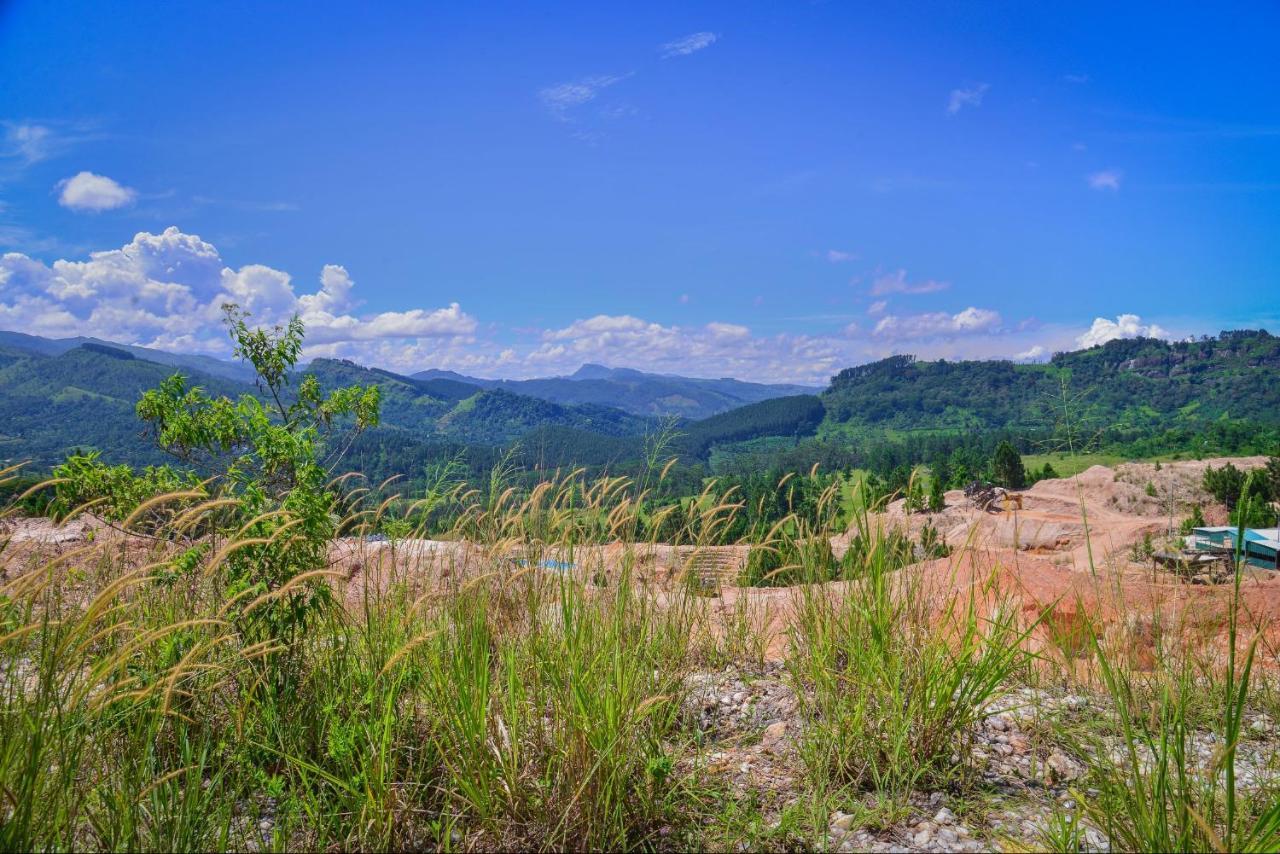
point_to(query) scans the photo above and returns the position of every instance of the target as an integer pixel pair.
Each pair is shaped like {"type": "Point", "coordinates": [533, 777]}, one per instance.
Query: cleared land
{"type": "Point", "coordinates": [1036, 688]}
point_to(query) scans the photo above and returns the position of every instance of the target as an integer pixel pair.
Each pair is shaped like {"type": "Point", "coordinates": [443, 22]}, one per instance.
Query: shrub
{"type": "Point", "coordinates": [1007, 467]}
{"type": "Point", "coordinates": [267, 469]}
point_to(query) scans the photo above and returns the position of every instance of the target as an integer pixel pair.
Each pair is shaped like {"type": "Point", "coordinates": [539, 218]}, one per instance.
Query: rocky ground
{"type": "Point", "coordinates": [1027, 770]}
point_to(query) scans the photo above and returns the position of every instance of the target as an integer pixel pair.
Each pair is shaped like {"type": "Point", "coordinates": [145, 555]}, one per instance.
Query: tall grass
{"type": "Point", "coordinates": [1154, 792]}
{"type": "Point", "coordinates": [898, 669]}
{"type": "Point", "coordinates": [519, 683]}
{"type": "Point", "coordinates": [474, 697]}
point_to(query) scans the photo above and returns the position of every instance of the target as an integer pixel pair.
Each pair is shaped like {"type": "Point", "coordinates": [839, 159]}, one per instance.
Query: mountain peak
{"type": "Point", "coordinates": [591, 371]}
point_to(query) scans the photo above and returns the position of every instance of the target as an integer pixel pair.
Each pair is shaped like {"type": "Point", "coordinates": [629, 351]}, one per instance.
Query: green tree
{"type": "Point", "coordinates": [1195, 520]}
{"type": "Point", "coordinates": [1254, 508]}
{"type": "Point", "coordinates": [1273, 475]}
{"type": "Point", "coordinates": [937, 501]}
{"type": "Point", "coordinates": [271, 454]}
{"type": "Point", "coordinates": [915, 501]}
{"type": "Point", "coordinates": [1007, 466]}
{"type": "Point", "coordinates": [1225, 484]}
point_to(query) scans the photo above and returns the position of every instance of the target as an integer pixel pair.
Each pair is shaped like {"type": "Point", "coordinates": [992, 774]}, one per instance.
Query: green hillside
{"type": "Point", "coordinates": [638, 392]}
{"type": "Point", "coordinates": [81, 398]}
{"type": "Point", "coordinates": [1134, 397]}
{"type": "Point", "coordinates": [1125, 385]}
{"type": "Point", "coordinates": [453, 410]}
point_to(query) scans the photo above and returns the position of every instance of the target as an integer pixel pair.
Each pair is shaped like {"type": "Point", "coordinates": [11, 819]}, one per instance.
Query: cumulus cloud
{"type": "Point", "coordinates": [937, 324]}
{"type": "Point", "coordinates": [896, 283]}
{"type": "Point", "coordinates": [1034, 354]}
{"type": "Point", "coordinates": [714, 349]}
{"type": "Point", "coordinates": [877, 307]}
{"type": "Point", "coordinates": [563, 97]}
{"type": "Point", "coordinates": [1124, 326]}
{"type": "Point", "coordinates": [1108, 179]}
{"type": "Point", "coordinates": [86, 191]}
{"type": "Point", "coordinates": [970, 97]}
{"type": "Point", "coordinates": [689, 44]}
{"type": "Point", "coordinates": [839, 256]}
{"type": "Point", "coordinates": [166, 290]}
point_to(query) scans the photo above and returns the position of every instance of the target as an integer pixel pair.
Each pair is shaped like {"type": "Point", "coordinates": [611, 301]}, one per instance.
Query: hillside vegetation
{"type": "Point", "coordinates": [638, 392]}
{"type": "Point", "coordinates": [1134, 398]}
{"type": "Point", "coordinates": [1124, 384]}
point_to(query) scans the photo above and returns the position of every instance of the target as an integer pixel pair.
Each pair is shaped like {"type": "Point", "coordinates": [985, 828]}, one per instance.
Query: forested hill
{"type": "Point", "coordinates": [451, 409]}
{"type": "Point", "coordinates": [638, 392]}
{"type": "Point", "coordinates": [52, 403]}
{"type": "Point", "coordinates": [83, 397]}
{"type": "Point", "coordinates": [1136, 384]}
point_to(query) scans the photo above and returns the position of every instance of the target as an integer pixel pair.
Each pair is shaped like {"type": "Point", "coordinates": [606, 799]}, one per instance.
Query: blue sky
{"type": "Point", "coordinates": [770, 190]}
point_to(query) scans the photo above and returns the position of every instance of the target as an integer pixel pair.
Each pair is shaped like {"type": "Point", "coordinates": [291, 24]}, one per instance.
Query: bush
{"type": "Point", "coordinates": [265, 468]}
{"type": "Point", "coordinates": [1007, 467]}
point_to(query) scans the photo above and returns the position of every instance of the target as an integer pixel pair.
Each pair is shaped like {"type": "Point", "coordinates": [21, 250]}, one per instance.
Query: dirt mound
{"type": "Point", "coordinates": [1093, 518]}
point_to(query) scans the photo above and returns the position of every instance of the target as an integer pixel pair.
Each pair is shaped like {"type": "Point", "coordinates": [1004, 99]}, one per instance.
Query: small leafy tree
{"type": "Point", "coordinates": [1007, 466]}
{"type": "Point", "coordinates": [937, 500]}
{"type": "Point", "coordinates": [932, 544]}
{"type": "Point", "coordinates": [1195, 520]}
{"type": "Point", "coordinates": [270, 453]}
{"type": "Point", "coordinates": [1224, 484]}
{"type": "Point", "coordinates": [915, 500]}
{"type": "Point", "coordinates": [1273, 475]}
{"type": "Point", "coordinates": [1254, 508]}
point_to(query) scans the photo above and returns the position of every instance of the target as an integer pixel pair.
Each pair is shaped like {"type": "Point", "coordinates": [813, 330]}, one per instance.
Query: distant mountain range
{"type": "Point", "coordinates": [638, 392]}
{"type": "Point", "coordinates": [632, 391]}
{"type": "Point", "coordinates": [57, 396]}
{"type": "Point", "coordinates": [56, 346]}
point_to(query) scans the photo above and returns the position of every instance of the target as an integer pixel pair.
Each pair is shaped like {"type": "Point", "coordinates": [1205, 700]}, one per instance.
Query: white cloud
{"type": "Point", "coordinates": [689, 44]}
{"type": "Point", "coordinates": [877, 307]}
{"type": "Point", "coordinates": [1034, 354]}
{"type": "Point", "coordinates": [896, 283]}
{"type": "Point", "coordinates": [86, 191]}
{"type": "Point", "coordinates": [1076, 78]}
{"type": "Point", "coordinates": [562, 97]}
{"type": "Point", "coordinates": [716, 349]}
{"type": "Point", "coordinates": [30, 143]}
{"type": "Point", "coordinates": [1108, 179]}
{"type": "Point", "coordinates": [937, 324]}
{"type": "Point", "coordinates": [839, 256]}
{"type": "Point", "coordinates": [166, 290]}
{"type": "Point", "coordinates": [727, 330]}
{"type": "Point", "coordinates": [1124, 326]}
{"type": "Point", "coordinates": [970, 97]}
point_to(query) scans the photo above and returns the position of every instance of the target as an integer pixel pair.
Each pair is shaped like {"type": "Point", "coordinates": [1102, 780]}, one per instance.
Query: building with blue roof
{"type": "Point", "coordinates": [1259, 547]}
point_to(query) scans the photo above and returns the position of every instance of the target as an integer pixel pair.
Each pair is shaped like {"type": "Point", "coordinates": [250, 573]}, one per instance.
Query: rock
{"type": "Point", "coordinates": [842, 822]}
{"type": "Point", "coordinates": [1062, 769]}
{"type": "Point", "coordinates": [944, 816]}
{"type": "Point", "coordinates": [773, 733]}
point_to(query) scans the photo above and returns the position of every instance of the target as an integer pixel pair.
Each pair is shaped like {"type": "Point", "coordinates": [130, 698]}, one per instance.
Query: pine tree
{"type": "Point", "coordinates": [937, 502]}
{"type": "Point", "coordinates": [1007, 466]}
